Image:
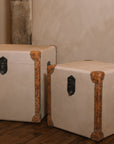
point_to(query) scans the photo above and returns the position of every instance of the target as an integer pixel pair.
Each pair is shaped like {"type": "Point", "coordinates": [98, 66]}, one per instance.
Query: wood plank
{"type": "Point", "coordinates": [30, 133]}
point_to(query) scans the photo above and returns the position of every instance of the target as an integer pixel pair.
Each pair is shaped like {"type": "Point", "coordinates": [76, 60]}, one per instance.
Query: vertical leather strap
{"type": "Point", "coordinates": [36, 55]}
{"type": "Point", "coordinates": [50, 70]}
{"type": "Point", "coordinates": [97, 77]}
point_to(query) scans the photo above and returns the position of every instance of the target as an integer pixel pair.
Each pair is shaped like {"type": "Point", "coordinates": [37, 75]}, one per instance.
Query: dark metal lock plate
{"type": "Point", "coordinates": [3, 65]}
{"type": "Point", "coordinates": [71, 85]}
{"type": "Point", "coordinates": [48, 63]}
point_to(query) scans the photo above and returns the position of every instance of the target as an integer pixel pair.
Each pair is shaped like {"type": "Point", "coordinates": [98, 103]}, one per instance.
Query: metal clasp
{"type": "Point", "coordinates": [71, 85]}
{"type": "Point", "coordinates": [3, 65]}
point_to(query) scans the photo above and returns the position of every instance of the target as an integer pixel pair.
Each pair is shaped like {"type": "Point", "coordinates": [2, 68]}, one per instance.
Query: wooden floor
{"type": "Point", "coordinates": [28, 133]}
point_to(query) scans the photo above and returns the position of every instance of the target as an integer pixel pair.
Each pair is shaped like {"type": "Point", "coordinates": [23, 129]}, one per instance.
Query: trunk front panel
{"type": "Point", "coordinates": [73, 113]}
{"type": "Point", "coordinates": [17, 93]}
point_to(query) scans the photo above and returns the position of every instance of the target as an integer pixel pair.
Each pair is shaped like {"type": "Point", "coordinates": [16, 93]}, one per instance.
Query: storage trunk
{"type": "Point", "coordinates": [23, 71]}
{"type": "Point", "coordinates": [81, 98]}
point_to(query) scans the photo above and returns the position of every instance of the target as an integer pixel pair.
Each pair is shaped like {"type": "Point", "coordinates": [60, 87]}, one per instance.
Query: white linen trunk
{"type": "Point", "coordinates": [18, 95]}
{"type": "Point", "coordinates": [76, 113]}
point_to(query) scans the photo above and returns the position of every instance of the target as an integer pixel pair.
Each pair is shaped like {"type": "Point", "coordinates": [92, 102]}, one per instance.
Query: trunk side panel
{"type": "Point", "coordinates": [49, 55]}
{"type": "Point", "coordinates": [108, 104]}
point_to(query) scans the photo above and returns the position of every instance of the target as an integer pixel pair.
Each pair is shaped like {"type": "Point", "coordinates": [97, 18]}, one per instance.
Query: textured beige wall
{"type": "Point", "coordinates": [21, 18]}
{"type": "Point", "coordinates": [4, 21]}
{"type": "Point", "coordinates": [81, 29]}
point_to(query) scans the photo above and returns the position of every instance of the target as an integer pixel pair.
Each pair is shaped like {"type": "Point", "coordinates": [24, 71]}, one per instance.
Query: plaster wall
{"type": "Point", "coordinates": [4, 21]}
{"type": "Point", "coordinates": [21, 19]}
{"type": "Point", "coordinates": [81, 29]}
